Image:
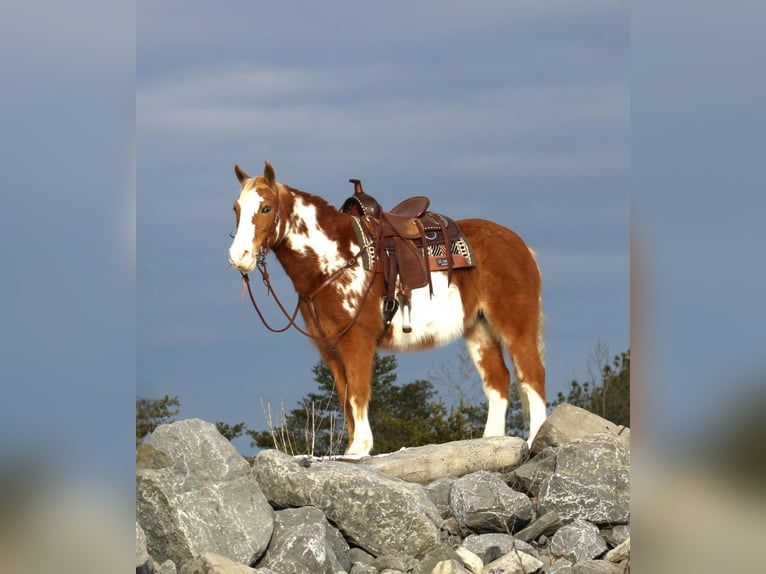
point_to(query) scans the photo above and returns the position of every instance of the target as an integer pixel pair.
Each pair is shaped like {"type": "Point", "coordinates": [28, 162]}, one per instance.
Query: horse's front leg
{"type": "Point", "coordinates": [351, 364]}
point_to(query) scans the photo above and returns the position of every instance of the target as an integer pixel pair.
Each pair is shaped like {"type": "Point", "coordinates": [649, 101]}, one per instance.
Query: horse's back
{"type": "Point", "coordinates": [504, 262]}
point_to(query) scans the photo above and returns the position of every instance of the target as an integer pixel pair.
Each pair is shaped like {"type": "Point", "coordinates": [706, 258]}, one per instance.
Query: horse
{"type": "Point", "coordinates": [495, 305]}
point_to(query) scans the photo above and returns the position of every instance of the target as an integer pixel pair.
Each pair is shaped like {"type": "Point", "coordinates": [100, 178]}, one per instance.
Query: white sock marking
{"type": "Point", "coordinates": [535, 406]}
{"type": "Point", "coordinates": [362, 443]}
{"type": "Point", "coordinates": [498, 406]}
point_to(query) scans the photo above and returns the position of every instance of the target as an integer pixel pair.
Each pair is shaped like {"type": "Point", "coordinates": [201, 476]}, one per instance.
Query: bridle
{"type": "Point", "coordinates": [309, 298]}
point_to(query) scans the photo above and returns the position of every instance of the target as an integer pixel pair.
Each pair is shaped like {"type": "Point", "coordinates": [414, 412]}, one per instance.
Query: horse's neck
{"type": "Point", "coordinates": [318, 239]}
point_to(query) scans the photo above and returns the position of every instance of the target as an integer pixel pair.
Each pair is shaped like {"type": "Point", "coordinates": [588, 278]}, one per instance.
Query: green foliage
{"type": "Point", "coordinates": [400, 415]}
{"type": "Point", "coordinates": [607, 390]}
{"type": "Point", "coordinates": [151, 413]}
{"type": "Point", "coordinates": [228, 431]}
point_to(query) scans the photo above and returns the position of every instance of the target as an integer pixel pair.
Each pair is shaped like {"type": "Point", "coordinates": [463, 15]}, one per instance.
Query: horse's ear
{"type": "Point", "coordinates": [268, 174]}
{"type": "Point", "coordinates": [241, 175]}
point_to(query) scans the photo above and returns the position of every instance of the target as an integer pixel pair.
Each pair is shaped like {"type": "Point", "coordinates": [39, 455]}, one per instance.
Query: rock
{"type": "Point", "coordinates": [360, 568]}
{"type": "Point", "coordinates": [616, 535]}
{"type": "Point", "coordinates": [515, 562]}
{"type": "Point", "coordinates": [401, 563]}
{"type": "Point", "coordinates": [425, 464]}
{"type": "Point", "coordinates": [195, 494]}
{"type": "Point", "coordinates": [577, 541]}
{"type": "Point", "coordinates": [597, 567]}
{"type": "Point", "coordinates": [211, 563]}
{"type": "Point", "coordinates": [619, 553]}
{"type": "Point", "coordinates": [448, 567]}
{"type": "Point", "coordinates": [357, 555]}
{"type": "Point", "coordinates": [377, 512]}
{"type": "Point", "coordinates": [482, 502]}
{"type": "Point", "coordinates": [471, 561]}
{"type": "Point", "coordinates": [562, 566]}
{"type": "Point", "coordinates": [167, 567]}
{"type": "Point", "coordinates": [547, 523]}
{"type": "Point", "coordinates": [490, 547]}
{"type": "Point", "coordinates": [568, 422]}
{"type": "Point", "coordinates": [591, 481]}
{"type": "Point", "coordinates": [303, 541]}
{"type": "Point", "coordinates": [440, 555]}
{"type": "Point", "coordinates": [144, 562]}
{"type": "Point", "coordinates": [438, 492]}
{"type": "Point", "coordinates": [530, 475]}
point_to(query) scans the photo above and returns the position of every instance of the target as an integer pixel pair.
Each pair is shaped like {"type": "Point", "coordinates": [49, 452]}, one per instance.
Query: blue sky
{"type": "Point", "coordinates": [518, 112]}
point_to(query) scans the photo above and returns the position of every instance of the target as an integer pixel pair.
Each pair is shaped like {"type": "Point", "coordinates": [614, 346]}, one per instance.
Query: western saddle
{"type": "Point", "coordinates": [407, 243]}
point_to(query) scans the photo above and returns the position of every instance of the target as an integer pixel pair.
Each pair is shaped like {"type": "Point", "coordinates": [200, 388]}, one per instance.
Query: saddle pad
{"type": "Point", "coordinates": [437, 253]}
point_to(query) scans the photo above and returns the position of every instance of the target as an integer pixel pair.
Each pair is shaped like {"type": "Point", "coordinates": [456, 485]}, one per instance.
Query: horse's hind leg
{"type": "Point", "coordinates": [486, 350]}
{"type": "Point", "coordinates": [530, 373]}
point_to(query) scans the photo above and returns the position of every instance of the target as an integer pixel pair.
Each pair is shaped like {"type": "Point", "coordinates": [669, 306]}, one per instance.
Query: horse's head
{"type": "Point", "coordinates": [257, 213]}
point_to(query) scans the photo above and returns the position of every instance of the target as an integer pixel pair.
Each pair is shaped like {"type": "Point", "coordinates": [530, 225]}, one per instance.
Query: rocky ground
{"type": "Point", "coordinates": [480, 506]}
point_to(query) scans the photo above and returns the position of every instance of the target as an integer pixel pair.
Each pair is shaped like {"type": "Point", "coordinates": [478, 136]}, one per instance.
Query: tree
{"type": "Point", "coordinates": [151, 413]}
{"type": "Point", "coordinates": [228, 431]}
{"type": "Point", "coordinates": [607, 390]}
{"type": "Point", "coordinates": [400, 415]}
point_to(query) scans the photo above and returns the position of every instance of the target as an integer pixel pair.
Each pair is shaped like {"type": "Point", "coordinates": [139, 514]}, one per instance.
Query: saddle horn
{"type": "Point", "coordinates": [357, 186]}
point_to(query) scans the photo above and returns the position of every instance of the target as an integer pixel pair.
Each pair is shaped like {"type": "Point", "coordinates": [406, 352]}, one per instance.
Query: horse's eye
{"type": "Point", "coordinates": [266, 209]}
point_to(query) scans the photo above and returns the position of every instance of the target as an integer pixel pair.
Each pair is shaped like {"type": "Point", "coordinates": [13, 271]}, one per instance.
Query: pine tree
{"type": "Point", "coordinates": [151, 413]}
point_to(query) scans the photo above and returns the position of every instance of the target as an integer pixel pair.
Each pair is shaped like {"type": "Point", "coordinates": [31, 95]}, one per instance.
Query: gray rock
{"type": "Point", "coordinates": [548, 523]}
{"type": "Point", "coordinates": [303, 541]}
{"type": "Point", "coordinates": [578, 541]}
{"type": "Point", "coordinates": [597, 567]}
{"type": "Point", "coordinates": [591, 481]}
{"type": "Point", "coordinates": [357, 555]}
{"type": "Point", "coordinates": [167, 567]}
{"type": "Point", "coordinates": [482, 502]}
{"type": "Point", "coordinates": [530, 475]}
{"type": "Point", "coordinates": [424, 464]}
{"type": "Point", "coordinates": [360, 568]}
{"type": "Point", "coordinates": [515, 562]}
{"type": "Point", "coordinates": [490, 547]}
{"type": "Point", "coordinates": [380, 513]}
{"type": "Point", "coordinates": [441, 555]}
{"type": "Point", "coordinates": [144, 562]}
{"type": "Point", "coordinates": [567, 422]}
{"type": "Point", "coordinates": [451, 566]}
{"type": "Point", "coordinates": [195, 494]}
{"type": "Point", "coordinates": [620, 552]}
{"type": "Point", "coordinates": [400, 563]}
{"type": "Point", "coordinates": [471, 561]}
{"type": "Point", "coordinates": [562, 566]}
{"type": "Point", "coordinates": [211, 563]}
{"type": "Point", "coordinates": [438, 492]}
{"type": "Point", "coordinates": [616, 535]}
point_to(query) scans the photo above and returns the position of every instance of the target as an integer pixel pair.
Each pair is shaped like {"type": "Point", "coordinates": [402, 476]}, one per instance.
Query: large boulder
{"type": "Point", "coordinates": [195, 493]}
{"type": "Point", "coordinates": [424, 464]}
{"type": "Point", "coordinates": [591, 481]}
{"type": "Point", "coordinates": [303, 541]}
{"type": "Point", "coordinates": [482, 502]}
{"type": "Point", "coordinates": [568, 422]}
{"type": "Point", "coordinates": [377, 512]}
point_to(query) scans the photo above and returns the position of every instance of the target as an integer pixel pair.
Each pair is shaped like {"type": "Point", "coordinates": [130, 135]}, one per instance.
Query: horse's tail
{"type": "Point", "coordinates": [541, 319]}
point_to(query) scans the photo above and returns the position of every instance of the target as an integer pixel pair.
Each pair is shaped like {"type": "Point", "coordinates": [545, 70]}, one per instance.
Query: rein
{"type": "Point", "coordinates": [309, 298]}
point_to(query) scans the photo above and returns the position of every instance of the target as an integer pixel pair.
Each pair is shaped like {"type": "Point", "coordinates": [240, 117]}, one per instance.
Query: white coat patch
{"type": "Point", "coordinates": [439, 318]}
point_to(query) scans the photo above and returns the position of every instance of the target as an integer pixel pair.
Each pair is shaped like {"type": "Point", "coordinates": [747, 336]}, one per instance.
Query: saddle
{"type": "Point", "coordinates": [407, 244]}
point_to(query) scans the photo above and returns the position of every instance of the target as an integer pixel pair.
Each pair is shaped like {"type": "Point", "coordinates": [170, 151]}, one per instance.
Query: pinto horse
{"type": "Point", "coordinates": [495, 305]}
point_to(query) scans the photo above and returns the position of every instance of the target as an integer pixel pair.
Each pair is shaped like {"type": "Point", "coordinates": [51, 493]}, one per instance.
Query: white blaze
{"type": "Point", "coordinates": [241, 253]}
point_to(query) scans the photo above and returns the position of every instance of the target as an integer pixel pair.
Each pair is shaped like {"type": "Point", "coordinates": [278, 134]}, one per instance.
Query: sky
{"type": "Point", "coordinates": [606, 136]}
{"type": "Point", "coordinates": [518, 112]}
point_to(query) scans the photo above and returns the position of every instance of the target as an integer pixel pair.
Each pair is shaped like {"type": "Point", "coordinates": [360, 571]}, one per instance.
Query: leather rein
{"type": "Point", "coordinates": [308, 298]}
